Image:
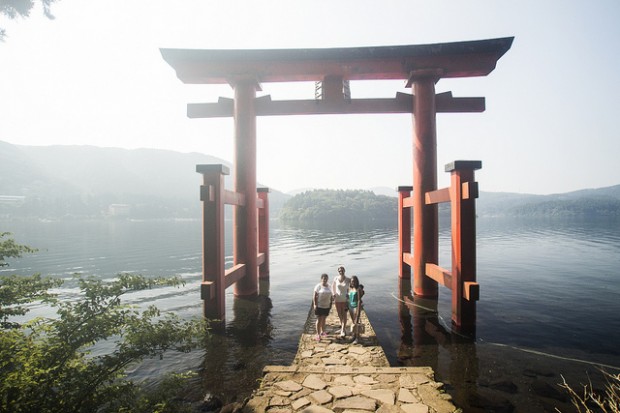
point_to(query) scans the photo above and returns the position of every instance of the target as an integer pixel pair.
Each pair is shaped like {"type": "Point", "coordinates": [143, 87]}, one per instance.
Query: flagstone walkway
{"type": "Point", "coordinates": [335, 375]}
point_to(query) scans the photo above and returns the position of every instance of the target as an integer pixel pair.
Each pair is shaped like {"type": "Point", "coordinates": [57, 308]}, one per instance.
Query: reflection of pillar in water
{"type": "Point", "coordinates": [251, 324]}
{"type": "Point", "coordinates": [425, 346]}
{"type": "Point", "coordinates": [264, 308]}
{"type": "Point", "coordinates": [263, 287]}
{"type": "Point", "coordinates": [235, 359]}
{"type": "Point", "coordinates": [215, 369]}
{"type": "Point", "coordinates": [463, 369]}
{"type": "Point", "coordinates": [404, 317]}
{"type": "Point", "coordinates": [238, 360]}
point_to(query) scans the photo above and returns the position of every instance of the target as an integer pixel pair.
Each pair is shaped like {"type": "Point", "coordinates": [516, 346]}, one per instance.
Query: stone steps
{"type": "Point", "coordinates": [335, 375]}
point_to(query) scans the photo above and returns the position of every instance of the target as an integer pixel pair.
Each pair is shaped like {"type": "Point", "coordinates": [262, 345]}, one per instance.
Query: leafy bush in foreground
{"type": "Point", "coordinates": [45, 363]}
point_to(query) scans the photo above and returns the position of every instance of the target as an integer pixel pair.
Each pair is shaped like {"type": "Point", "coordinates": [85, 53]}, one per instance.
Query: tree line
{"type": "Point", "coordinates": [591, 207]}
{"type": "Point", "coordinates": [341, 207]}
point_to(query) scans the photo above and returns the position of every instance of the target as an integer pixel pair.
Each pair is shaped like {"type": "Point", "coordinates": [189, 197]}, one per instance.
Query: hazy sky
{"type": "Point", "coordinates": [95, 76]}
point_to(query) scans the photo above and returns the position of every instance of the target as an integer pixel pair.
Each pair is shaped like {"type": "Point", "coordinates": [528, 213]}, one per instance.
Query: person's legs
{"type": "Point", "coordinates": [321, 318]}
{"type": "Point", "coordinates": [352, 313]}
{"type": "Point", "coordinates": [353, 330]}
{"type": "Point", "coordinates": [342, 316]}
{"type": "Point", "coordinates": [318, 326]}
{"type": "Point", "coordinates": [323, 322]}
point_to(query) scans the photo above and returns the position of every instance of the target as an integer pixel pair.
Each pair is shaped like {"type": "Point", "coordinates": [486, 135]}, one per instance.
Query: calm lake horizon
{"type": "Point", "coordinates": [549, 300]}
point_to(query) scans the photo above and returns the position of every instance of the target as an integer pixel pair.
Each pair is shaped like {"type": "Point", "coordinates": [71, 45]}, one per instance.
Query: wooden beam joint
{"type": "Point", "coordinates": [471, 291]}
{"type": "Point", "coordinates": [442, 276]}
{"type": "Point", "coordinates": [207, 290]}
{"type": "Point", "coordinates": [437, 196]}
{"type": "Point", "coordinates": [234, 274]}
{"type": "Point", "coordinates": [470, 190]}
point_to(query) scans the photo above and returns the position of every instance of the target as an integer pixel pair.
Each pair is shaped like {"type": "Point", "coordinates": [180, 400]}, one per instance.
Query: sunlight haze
{"type": "Point", "coordinates": [95, 76]}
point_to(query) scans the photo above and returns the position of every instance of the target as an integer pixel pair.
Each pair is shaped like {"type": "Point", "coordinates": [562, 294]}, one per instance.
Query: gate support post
{"type": "Point", "coordinates": [404, 232]}
{"type": "Point", "coordinates": [213, 286]}
{"type": "Point", "coordinates": [245, 242]}
{"type": "Point", "coordinates": [425, 219]}
{"type": "Point", "coordinates": [465, 290]}
{"type": "Point", "coordinates": [263, 233]}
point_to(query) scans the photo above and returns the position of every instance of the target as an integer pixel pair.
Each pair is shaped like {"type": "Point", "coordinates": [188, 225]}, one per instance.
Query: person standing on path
{"type": "Point", "coordinates": [340, 290]}
{"type": "Point", "coordinates": [354, 302]}
{"type": "Point", "coordinates": [322, 300]}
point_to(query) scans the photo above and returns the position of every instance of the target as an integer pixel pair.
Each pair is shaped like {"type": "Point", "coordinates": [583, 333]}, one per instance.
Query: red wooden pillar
{"type": "Point", "coordinates": [245, 241]}
{"type": "Point", "coordinates": [465, 290]}
{"type": "Point", "coordinates": [213, 287]}
{"type": "Point", "coordinates": [263, 232]}
{"type": "Point", "coordinates": [425, 219]}
{"type": "Point", "coordinates": [404, 232]}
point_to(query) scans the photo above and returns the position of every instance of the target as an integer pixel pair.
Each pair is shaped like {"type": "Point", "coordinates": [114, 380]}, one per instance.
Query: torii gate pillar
{"type": "Point", "coordinates": [425, 219]}
{"type": "Point", "coordinates": [245, 223]}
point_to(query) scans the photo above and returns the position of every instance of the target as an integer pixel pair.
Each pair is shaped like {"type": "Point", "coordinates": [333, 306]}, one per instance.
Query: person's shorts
{"type": "Point", "coordinates": [321, 311]}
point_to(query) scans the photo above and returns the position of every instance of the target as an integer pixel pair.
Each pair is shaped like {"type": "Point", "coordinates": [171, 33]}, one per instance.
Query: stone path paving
{"type": "Point", "coordinates": [335, 375]}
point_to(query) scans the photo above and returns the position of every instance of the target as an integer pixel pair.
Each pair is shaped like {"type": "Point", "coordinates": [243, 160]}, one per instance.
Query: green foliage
{"type": "Point", "coordinates": [16, 291]}
{"type": "Point", "coordinates": [21, 8]}
{"type": "Point", "coordinates": [159, 399]}
{"type": "Point", "coordinates": [46, 364]}
{"type": "Point", "coordinates": [339, 207]}
{"type": "Point", "coordinates": [10, 249]}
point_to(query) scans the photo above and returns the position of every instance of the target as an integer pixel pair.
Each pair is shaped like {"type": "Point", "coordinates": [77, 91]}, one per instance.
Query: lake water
{"type": "Point", "coordinates": [549, 301]}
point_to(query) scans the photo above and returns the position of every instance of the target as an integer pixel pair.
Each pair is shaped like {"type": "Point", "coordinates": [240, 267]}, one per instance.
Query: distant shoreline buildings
{"type": "Point", "coordinates": [12, 200]}
{"type": "Point", "coordinates": [119, 210]}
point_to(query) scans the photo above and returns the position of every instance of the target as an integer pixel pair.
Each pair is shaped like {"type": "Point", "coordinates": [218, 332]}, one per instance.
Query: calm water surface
{"type": "Point", "coordinates": [549, 301]}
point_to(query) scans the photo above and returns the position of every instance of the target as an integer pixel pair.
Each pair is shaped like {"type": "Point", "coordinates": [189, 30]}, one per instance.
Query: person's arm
{"type": "Point", "coordinates": [315, 299]}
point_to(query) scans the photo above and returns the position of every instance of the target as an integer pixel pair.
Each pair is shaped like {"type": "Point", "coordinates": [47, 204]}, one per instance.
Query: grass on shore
{"type": "Point", "coordinates": [591, 401]}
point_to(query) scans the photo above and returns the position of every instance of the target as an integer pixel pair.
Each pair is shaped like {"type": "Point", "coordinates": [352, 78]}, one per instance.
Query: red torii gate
{"type": "Point", "coordinates": [421, 66]}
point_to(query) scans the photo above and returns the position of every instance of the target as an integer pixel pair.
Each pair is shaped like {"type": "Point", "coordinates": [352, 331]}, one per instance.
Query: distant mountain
{"type": "Point", "coordinates": [386, 191]}
{"type": "Point", "coordinates": [86, 180]}
{"type": "Point", "coordinates": [299, 191]}
{"type": "Point", "coordinates": [586, 203]}
{"type": "Point", "coordinates": [378, 190]}
{"type": "Point", "coordinates": [56, 181]}
{"type": "Point", "coordinates": [600, 202]}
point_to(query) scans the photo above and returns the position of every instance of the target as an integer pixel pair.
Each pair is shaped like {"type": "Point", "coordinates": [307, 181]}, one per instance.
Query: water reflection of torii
{"type": "Point", "coordinates": [421, 66]}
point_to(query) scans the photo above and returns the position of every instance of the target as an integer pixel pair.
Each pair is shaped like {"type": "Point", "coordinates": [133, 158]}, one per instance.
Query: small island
{"type": "Point", "coordinates": [340, 207]}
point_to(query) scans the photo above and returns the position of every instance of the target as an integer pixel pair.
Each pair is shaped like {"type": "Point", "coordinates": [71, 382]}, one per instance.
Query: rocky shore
{"type": "Point", "coordinates": [334, 374]}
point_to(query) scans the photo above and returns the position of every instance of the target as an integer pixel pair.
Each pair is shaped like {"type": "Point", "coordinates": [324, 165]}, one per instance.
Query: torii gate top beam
{"type": "Point", "coordinates": [459, 59]}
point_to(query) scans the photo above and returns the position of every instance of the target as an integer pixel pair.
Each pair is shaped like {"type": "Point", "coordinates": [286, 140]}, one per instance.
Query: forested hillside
{"type": "Point", "coordinates": [582, 207]}
{"type": "Point", "coordinates": [586, 203]}
{"type": "Point", "coordinates": [84, 181]}
{"type": "Point", "coordinates": [359, 207]}
{"type": "Point", "coordinates": [339, 207]}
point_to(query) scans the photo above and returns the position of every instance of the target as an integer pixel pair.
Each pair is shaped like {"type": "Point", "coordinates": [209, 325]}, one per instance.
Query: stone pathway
{"type": "Point", "coordinates": [334, 375]}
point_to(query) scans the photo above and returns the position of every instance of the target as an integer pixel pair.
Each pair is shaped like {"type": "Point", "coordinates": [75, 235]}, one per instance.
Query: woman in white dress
{"type": "Point", "coordinates": [340, 288]}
